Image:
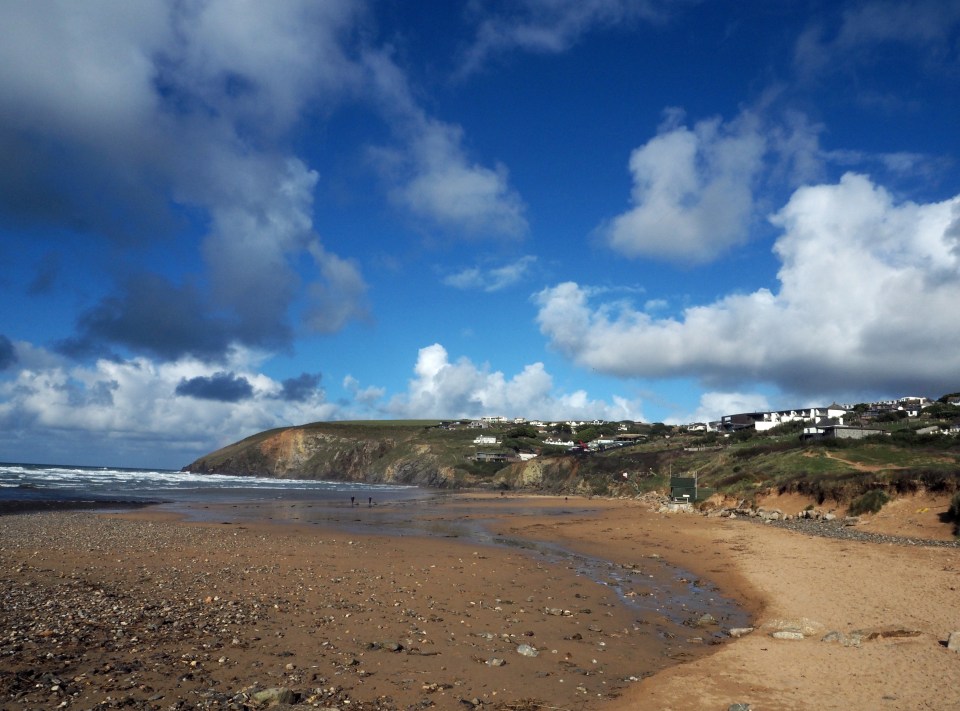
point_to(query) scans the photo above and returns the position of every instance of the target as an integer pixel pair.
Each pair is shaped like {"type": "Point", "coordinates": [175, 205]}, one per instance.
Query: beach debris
{"type": "Point", "coordinates": [885, 632]}
{"type": "Point", "coordinates": [739, 631]}
{"type": "Point", "coordinates": [526, 650]}
{"type": "Point", "coordinates": [557, 611]}
{"type": "Point", "coordinates": [739, 706]}
{"type": "Point", "coordinates": [953, 641]}
{"type": "Point", "coordinates": [495, 662]}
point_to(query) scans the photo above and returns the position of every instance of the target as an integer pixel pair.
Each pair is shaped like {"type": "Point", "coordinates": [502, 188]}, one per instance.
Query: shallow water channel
{"type": "Point", "coordinates": [652, 588]}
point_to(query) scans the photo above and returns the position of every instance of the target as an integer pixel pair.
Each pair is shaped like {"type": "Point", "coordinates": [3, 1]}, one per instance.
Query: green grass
{"type": "Point", "coordinates": [383, 423]}
{"type": "Point", "coordinates": [892, 456]}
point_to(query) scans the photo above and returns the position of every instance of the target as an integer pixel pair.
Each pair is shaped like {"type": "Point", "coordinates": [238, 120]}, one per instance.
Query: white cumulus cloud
{"type": "Point", "coordinates": [866, 304]}
{"type": "Point", "coordinates": [692, 195]}
{"type": "Point", "coordinates": [441, 388]}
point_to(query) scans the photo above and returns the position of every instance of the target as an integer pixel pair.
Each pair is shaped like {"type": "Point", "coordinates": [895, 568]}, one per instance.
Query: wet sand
{"type": "Point", "coordinates": [144, 610]}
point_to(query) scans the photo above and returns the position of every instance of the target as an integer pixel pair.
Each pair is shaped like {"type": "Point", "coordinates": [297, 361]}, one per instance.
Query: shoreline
{"type": "Point", "coordinates": [448, 605]}
{"type": "Point", "coordinates": [9, 507]}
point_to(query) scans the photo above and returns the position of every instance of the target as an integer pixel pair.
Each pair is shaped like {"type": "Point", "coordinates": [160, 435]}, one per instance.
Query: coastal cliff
{"type": "Point", "coordinates": [338, 452]}
{"type": "Point", "coordinates": [418, 453]}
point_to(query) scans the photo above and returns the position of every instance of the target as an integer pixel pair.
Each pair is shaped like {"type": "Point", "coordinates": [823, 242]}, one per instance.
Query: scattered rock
{"type": "Point", "coordinates": [527, 651]}
{"type": "Point", "coordinates": [804, 625]}
{"type": "Point", "coordinates": [274, 696]}
{"type": "Point", "coordinates": [953, 641]}
{"type": "Point", "coordinates": [787, 634]}
{"type": "Point", "coordinates": [388, 646]}
{"type": "Point", "coordinates": [739, 707]}
{"type": "Point", "coordinates": [739, 631]}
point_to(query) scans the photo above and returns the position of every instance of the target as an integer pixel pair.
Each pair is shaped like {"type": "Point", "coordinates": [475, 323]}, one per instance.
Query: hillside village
{"type": "Point", "coordinates": [528, 438]}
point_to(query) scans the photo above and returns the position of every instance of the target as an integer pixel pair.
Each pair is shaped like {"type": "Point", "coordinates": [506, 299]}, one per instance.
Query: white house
{"type": "Point", "coordinates": [763, 421]}
{"type": "Point", "coordinates": [485, 439]}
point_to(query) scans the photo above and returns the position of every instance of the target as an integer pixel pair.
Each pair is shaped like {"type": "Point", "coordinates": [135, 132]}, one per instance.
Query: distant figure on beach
{"type": "Point", "coordinates": [353, 500]}
{"type": "Point", "coordinates": [369, 501]}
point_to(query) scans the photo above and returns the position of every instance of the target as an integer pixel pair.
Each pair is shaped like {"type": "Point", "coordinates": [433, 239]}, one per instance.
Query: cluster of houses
{"type": "Point", "coordinates": [827, 422]}
{"type": "Point", "coordinates": [622, 439]}
{"type": "Point", "coordinates": [832, 421]}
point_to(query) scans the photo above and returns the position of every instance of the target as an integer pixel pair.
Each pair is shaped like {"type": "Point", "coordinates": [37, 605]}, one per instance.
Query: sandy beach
{"type": "Point", "coordinates": [144, 610]}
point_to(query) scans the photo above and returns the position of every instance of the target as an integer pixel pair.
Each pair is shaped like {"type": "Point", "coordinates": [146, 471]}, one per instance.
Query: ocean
{"type": "Point", "coordinates": [114, 485]}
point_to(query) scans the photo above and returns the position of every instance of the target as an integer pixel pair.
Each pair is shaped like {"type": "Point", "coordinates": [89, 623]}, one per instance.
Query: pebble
{"type": "Point", "coordinates": [527, 651]}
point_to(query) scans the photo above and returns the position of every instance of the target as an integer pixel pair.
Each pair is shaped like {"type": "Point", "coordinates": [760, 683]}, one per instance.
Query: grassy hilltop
{"type": "Point", "coordinates": [739, 466]}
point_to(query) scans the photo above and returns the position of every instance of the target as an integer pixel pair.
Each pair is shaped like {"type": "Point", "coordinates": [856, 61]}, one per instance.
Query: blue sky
{"type": "Point", "coordinates": [220, 217]}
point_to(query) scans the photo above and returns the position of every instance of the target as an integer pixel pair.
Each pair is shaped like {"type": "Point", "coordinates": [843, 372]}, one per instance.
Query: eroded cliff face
{"type": "Point", "coordinates": [553, 474]}
{"type": "Point", "coordinates": [304, 453]}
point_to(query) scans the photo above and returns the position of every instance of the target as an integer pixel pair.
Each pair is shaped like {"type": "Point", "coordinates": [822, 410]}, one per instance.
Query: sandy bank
{"type": "Point", "coordinates": [793, 580]}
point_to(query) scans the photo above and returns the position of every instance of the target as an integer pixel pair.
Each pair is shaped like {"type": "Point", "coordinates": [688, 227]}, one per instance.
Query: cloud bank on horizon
{"type": "Point", "coordinates": [220, 217]}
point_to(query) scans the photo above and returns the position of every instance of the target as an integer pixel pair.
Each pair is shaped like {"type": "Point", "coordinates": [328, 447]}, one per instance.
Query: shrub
{"type": "Point", "coordinates": [870, 502]}
{"type": "Point", "coordinates": [953, 513]}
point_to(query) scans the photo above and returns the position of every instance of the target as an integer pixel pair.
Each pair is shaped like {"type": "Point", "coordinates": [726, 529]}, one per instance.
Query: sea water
{"type": "Point", "coordinates": [44, 482]}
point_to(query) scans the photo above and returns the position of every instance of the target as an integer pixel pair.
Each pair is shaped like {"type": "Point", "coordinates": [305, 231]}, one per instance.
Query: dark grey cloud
{"type": "Point", "coordinates": [8, 354]}
{"type": "Point", "coordinates": [300, 388]}
{"type": "Point", "coordinates": [223, 387]}
{"type": "Point", "coordinates": [154, 316]}
{"type": "Point", "coordinates": [50, 183]}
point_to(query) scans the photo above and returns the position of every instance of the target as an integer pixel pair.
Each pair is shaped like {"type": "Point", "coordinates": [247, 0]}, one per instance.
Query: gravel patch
{"type": "Point", "coordinates": [838, 529]}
